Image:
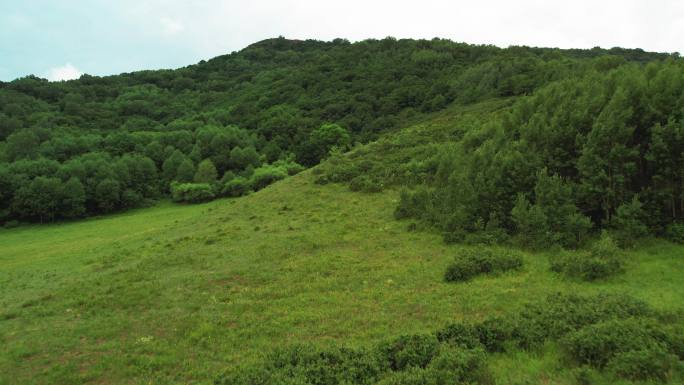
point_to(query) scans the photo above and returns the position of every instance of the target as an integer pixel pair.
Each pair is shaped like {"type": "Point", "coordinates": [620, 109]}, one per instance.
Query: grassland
{"type": "Point", "coordinates": [175, 294]}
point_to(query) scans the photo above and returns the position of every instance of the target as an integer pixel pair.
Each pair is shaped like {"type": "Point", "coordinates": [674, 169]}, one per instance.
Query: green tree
{"type": "Point", "coordinates": [73, 198]}
{"type": "Point", "coordinates": [185, 171]}
{"type": "Point", "coordinates": [206, 172]}
{"type": "Point", "coordinates": [608, 160]}
{"type": "Point", "coordinates": [108, 195]}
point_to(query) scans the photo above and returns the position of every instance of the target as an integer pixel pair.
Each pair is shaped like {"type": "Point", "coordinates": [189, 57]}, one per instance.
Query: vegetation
{"type": "Point", "coordinates": [469, 263]}
{"type": "Point", "coordinates": [123, 140]}
{"type": "Point", "coordinates": [338, 274]}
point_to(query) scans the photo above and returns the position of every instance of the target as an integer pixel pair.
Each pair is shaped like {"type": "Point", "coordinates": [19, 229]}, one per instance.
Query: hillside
{"type": "Point", "coordinates": [237, 122]}
{"type": "Point", "coordinates": [181, 293]}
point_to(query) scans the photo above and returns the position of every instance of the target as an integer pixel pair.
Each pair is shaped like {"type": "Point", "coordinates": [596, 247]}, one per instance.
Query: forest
{"type": "Point", "coordinates": [238, 122]}
{"type": "Point", "coordinates": [383, 212]}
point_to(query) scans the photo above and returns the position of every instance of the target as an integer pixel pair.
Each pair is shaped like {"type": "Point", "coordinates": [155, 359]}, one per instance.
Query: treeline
{"type": "Point", "coordinates": [129, 138]}
{"type": "Point", "coordinates": [600, 150]}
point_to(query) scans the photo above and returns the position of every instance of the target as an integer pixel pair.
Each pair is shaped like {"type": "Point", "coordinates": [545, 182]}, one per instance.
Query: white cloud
{"type": "Point", "coordinates": [65, 72]}
{"type": "Point", "coordinates": [171, 26]}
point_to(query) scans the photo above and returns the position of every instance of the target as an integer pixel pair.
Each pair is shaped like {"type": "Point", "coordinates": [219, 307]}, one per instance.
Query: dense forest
{"type": "Point", "coordinates": [238, 122]}
{"type": "Point", "coordinates": [604, 149]}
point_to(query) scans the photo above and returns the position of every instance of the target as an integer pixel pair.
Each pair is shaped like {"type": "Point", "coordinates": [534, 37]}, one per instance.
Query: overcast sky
{"type": "Point", "coordinates": [60, 39]}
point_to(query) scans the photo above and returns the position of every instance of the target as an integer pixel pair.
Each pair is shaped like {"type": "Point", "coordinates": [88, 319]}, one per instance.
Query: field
{"type": "Point", "coordinates": [176, 294]}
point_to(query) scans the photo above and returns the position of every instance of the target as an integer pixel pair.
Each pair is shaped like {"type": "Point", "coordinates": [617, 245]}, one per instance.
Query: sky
{"type": "Point", "coordinates": [62, 39]}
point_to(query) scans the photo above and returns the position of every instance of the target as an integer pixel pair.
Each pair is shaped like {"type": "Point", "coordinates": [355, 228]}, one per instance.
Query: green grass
{"type": "Point", "coordinates": [175, 294]}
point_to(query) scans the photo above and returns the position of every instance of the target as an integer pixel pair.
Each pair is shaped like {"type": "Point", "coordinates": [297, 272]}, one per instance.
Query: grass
{"type": "Point", "coordinates": [175, 294]}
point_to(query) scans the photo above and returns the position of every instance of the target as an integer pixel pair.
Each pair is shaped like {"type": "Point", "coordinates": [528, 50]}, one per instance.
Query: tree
{"type": "Point", "coordinates": [108, 195]}
{"type": "Point", "coordinates": [324, 138]}
{"type": "Point", "coordinates": [185, 171]}
{"type": "Point", "coordinates": [39, 199]}
{"type": "Point", "coordinates": [628, 222]}
{"type": "Point", "coordinates": [22, 144]}
{"type": "Point", "coordinates": [73, 198]}
{"type": "Point", "coordinates": [206, 172]}
{"type": "Point", "coordinates": [608, 161]}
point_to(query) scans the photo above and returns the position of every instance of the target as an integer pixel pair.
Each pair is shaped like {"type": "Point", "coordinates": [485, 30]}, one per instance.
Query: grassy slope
{"type": "Point", "coordinates": [174, 294]}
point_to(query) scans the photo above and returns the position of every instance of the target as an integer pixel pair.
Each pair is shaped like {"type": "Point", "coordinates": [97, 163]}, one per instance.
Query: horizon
{"type": "Point", "coordinates": [68, 69]}
{"type": "Point", "coordinates": [62, 40]}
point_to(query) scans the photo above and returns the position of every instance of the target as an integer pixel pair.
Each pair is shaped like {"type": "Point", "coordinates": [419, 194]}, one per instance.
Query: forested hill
{"type": "Point", "coordinates": [238, 122]}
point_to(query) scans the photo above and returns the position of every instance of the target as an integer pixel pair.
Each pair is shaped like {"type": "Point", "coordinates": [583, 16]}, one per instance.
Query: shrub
{"type": "Point", "coordinates": [598, 344]}
{"type": "Point", "coordinates": [653, 363]}
{"type": "Point", "coordinates": [560, 314]}
{"type": "Point", "coordinates": [364, 183]}
{"type": "Point", "coordinates": [471, 262]}
{"type": "Point", "coordinates": [11, 224]}
{"type": "Point", "coordinates": [266, 175]}
{"type": "Point", "coordinates": [410, 351]}
{"type": "Point", "coordinates": [412, 203]}
{"type": "Point", "coordinates": [629, 222]}
{"type": "Point", "coordinates": [301, 364]}
{"type": "Point", "coordinates": [191, 192]}
{"type": "Point", "coordinates": [493, 333]}
{"type": "Point", "coordinates": [675, 232]}
{"type": "Point", "coordinates": [458, 365]}
{"type": "Point", "coordinates": [459, 334]}
{"type": "Point", "coordinates": [236, 187]}
{"type": "Point", "coordinates": [603, 260]}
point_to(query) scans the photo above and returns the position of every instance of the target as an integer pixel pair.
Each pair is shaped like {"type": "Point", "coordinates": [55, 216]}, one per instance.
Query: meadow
{"type": "Point", "coordinates": [178, 293]}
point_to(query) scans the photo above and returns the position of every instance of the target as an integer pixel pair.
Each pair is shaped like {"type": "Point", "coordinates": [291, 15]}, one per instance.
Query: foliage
{"type": "Point", "coordinates": [469, 263]}
{"type": "Point", "coordinates": [603, 260]}
{"type": "Point", "coordinates": [191, 192]}
{"type": "Point", "coordinates": [298, 100]}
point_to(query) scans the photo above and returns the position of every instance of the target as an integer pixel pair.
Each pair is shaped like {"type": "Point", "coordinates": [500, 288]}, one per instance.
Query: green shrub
{"type": "Point", "coordinates": [411, 351]}
{"type": "Point", "coordinates": [603, 260]}
{"type": "Point", "coordinates": [364, 183]}
{"type": "Point", "coordinates": [412, 203]}
{"type": "Point", "coordinates": [459, 334]}
{"type": "Point", "coordinates": [560, 314]}
{"type": "Point", "coordinates": [652, 363]}
{"type": "Point", "coordinates": [236, 187]}
{"type": "Point", "coordinates": [471, 262]}
{"type": "Point", "coordinates": [493, 333]}
{"type": "Point", "coordinates": [191, 192]}
{"type": "Point", "coordinates": [305, 365]}
{"type": "Point", "coordinates": [11, 224]}
{"type": "Point", "coordinates": [675, 232]}
{"type": "Point", "coordinates": [628, 222]}
{"type": "Point", "coordinates": [598, 344]}
{"type": "Point", "coordinates": [266, 175]}
{"type": "Point", "coordinates": [458, 365]}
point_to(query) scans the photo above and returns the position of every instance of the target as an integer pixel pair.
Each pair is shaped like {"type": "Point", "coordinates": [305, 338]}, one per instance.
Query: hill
{"type": "Point", "coordinates": [237, 122]}
{"type": "Point", "coordinates": [182, 293]}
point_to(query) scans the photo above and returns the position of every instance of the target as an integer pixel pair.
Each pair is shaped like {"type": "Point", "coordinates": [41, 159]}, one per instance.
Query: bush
{"type": "Point", "coordinates": [11, 224]}
{"type": "Point", "coordinates": [493, 333]}
{"type": "Point", "coordinates": [675, 232]}
{"type": "Point", "coordinates": [654, 363]}
{"type": "Point", "coordinates": [191, 192]}
{"type": "Point", "coordinates": [266, 175]}
{"type": "Point", "coordinates": [304, 365]}
{"type": "Point", "coordinates": [598, 344]}
{"type": "Point", "coordinates": [471, 262]}
{"type": "Point", "coordinates": [603, 260]}
{"type": "Point", "coordinates": [412, 203]}
{"type": "Point", "coordinates": [459, 334]}
{"type": "Point", "coordinates": [629, 222]}
{"type": "Point", "coordinates": [364, 183]}
{"type": "Point", "coordinates": [236, 187]}
{"type": "Point", "coordinates": [560, 314]}
{"type": "Point", "coordinates": [411, 351]}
